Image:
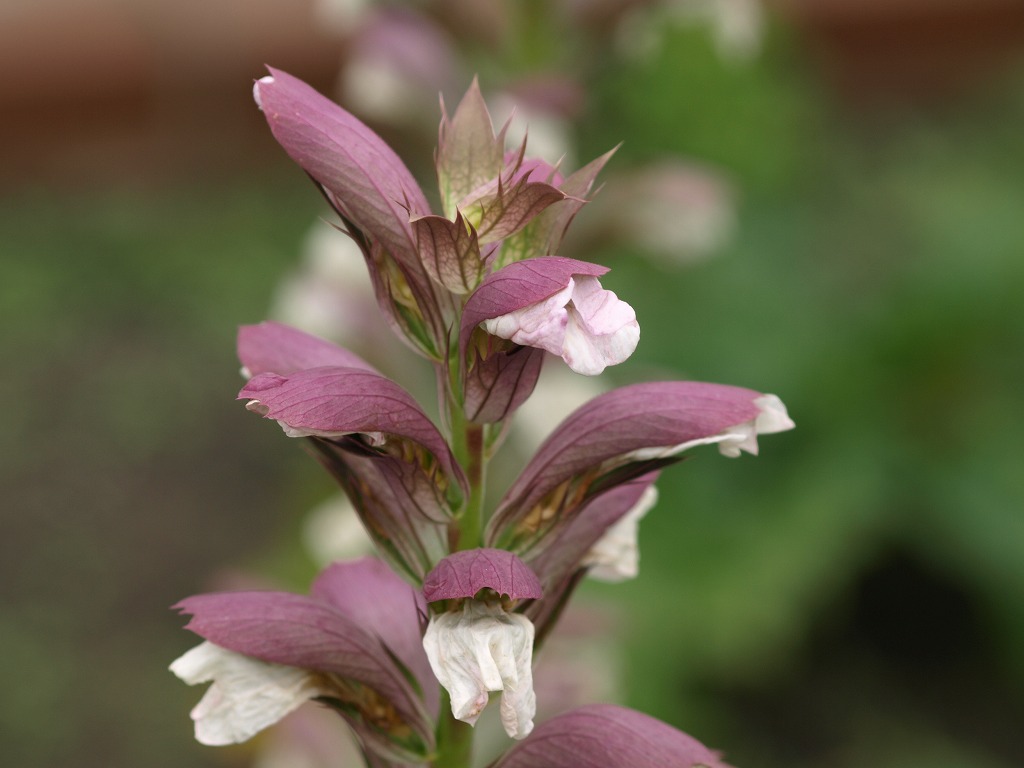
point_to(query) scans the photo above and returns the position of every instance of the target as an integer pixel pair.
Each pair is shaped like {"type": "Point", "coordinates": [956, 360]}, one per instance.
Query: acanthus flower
{"type": "Point", "coordinates": [557, 305]}
{"type": "Point", "coordinates": [481, 645]}
{"type": "Point", "coordinates": [597, 464]}
{"type": "Point", "coordinates": [353, 643]}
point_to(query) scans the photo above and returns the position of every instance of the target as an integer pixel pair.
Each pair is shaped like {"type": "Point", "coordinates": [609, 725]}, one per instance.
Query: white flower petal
{"type": "Point", "coordinates": [246, 695]}
{"type": "Point", "coordinates": [616, 555]}
{"type": "Point", "coordinates": [481, 649]}
{"type": "Point", "coordinates": [600, 311]}
{"type": "Point", "coordinates": [773, 416]}
{"type": "Point", "coordinates": [265, 80]}
{"type": "Point", "coordinates": [743, 437]}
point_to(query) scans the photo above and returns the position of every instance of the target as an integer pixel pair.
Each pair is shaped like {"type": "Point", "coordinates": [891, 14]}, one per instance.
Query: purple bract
{"type": "Point", "coordinates": [463, 574]}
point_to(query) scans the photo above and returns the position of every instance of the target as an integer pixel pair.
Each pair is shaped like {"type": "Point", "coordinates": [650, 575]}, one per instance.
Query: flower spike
{"type": "Point", "coordinates": [479, 291]}
{"type": "Point", "coordinates": [355, 652]}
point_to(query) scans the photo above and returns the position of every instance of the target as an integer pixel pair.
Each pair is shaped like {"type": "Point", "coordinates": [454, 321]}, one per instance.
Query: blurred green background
{"type": "Point", "coordinates": [854, 596]}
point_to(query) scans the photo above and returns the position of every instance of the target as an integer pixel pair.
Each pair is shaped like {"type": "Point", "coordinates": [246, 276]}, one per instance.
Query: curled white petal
{"type": "Point", "coordinates": [616, 555]}
{"type": "Point", "coordinates": [773, 416]}
{"type": "Point", "coordinates": [602, 329]}
{"type": "Point", "coordinates": [246, 695]}
{"type": "Point", "coordinates": [483, 648]}
{"type": "Point", "coordinates": [587, 326]}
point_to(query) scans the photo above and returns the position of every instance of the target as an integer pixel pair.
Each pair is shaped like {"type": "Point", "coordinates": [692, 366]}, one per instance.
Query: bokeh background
{"type": "Point", "coordinates": [854, 242]}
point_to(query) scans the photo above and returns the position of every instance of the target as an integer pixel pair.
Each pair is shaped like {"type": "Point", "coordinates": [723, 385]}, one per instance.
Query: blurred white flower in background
{"type": "Point", "coordinates": [342, 17]}
{"type": "Point", "coordinates": [675, 211]}
{"type": "Point", "coordinates": [333, 531]}
{"type": "Point", "coordinates": [330, 294]}
{"type": "Point", "coordinates": [540, 110]}
{"type": "Point", "coordinates": [396, 66]}
{"type": "Point", "coordinates": [559, 392]}
{"type": "Point", "coordinates": [736, 25]}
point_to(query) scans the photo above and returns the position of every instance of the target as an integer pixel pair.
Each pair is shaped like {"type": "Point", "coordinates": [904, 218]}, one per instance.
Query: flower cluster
{"type": "Point", "coordinates": [408, 647]}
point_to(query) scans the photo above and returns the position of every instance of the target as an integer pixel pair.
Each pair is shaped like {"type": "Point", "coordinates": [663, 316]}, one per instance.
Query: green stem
{"type": "Point", "coordinates": [454, 739]}
{"type": "Point", "coordinates": [468, 445]}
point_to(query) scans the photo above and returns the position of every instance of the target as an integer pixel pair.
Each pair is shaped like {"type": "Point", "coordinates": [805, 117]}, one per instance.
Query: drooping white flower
{"type": "Point", "coordinates": [483, 648]}
{"type": "Point", "coordinates": [616, 555]}
{"type": "Point", "coordinates": [246, 695]}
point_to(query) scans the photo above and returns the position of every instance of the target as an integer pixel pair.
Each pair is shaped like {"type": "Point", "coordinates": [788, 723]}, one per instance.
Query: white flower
{"type": "Point", "coordinates": [616, 555]}
{"type": "Point", "coordinates": [340, 16]}
{"type": "Point", "coordinates": [379, 89]}
{"type": "Point", "coordinates": [247, 695]}
{"type": "Point", "coordinates": [588, 327]}
{"type": "Point", "coordinates": [742, 437]}
{"type": "Point", "coordinates": [772, 418]}
{"type": "Point", "coordinates": [480, 649]}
